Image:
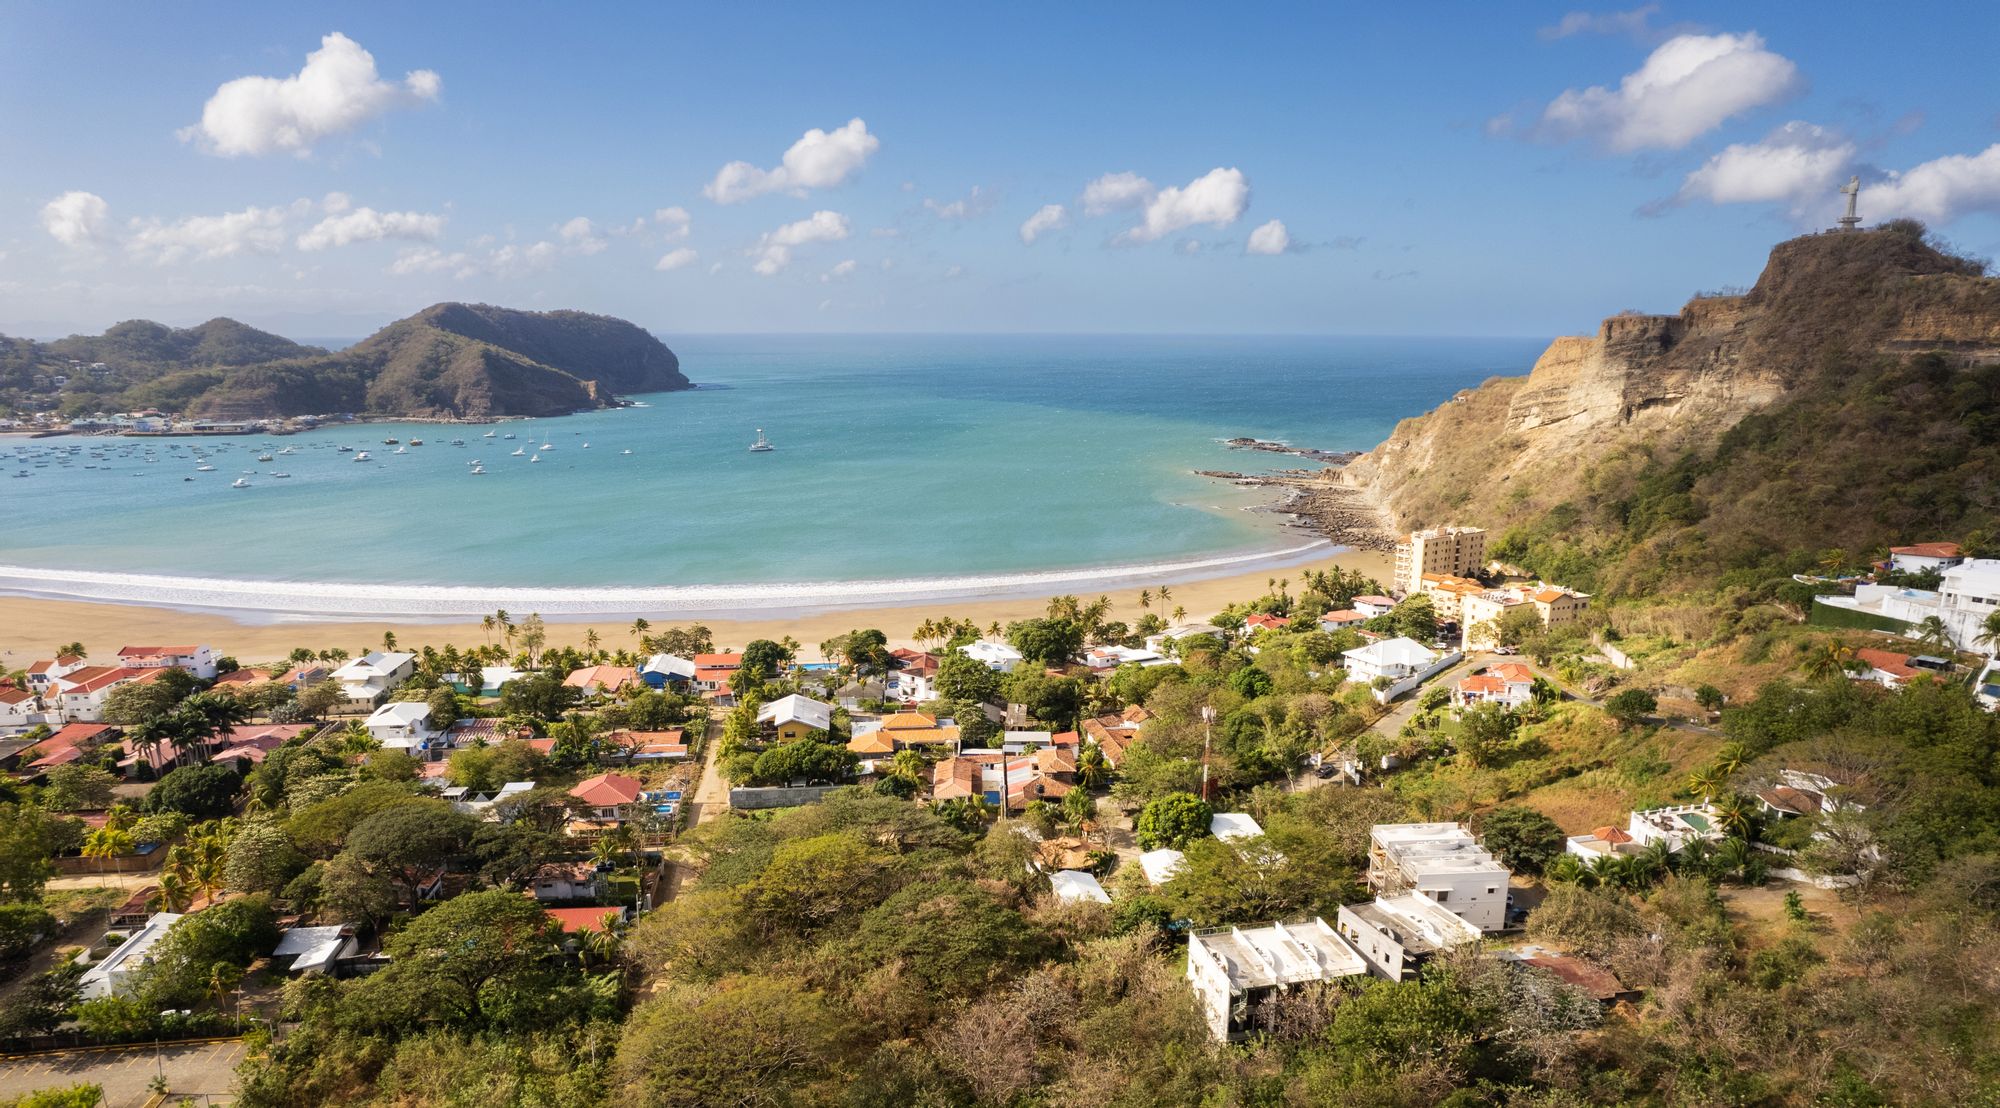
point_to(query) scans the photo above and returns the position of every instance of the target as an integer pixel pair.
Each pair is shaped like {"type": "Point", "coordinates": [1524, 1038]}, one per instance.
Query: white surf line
{"type": "Point", "coordinates": [329, 599]}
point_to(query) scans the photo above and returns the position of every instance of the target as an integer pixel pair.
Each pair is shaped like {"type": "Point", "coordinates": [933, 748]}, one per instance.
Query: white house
{"type": "Point", "coordinates": [315, 949]}
{"type": "Point", "coordinates": [1236, 971]}
{"type": "Point", "coordinates": [198, 660]}
{"type": "Point", "coordinates": [372, 676]}
{"type": "Point", "coordinates": [1075, 884]}
{"type": "Point", "coordinates": [114, 975]}
{"type": "Point", "coordinates": [1444, 862]}
{"type": "Point", "coordinates": [1925, 556]}
{"type": "Point", "coordinates": [80, 694]}
{"type": "Point", "coordinates": [19, 710]}
{"type": "Point", "coordinates": [1111, 657]}
{"type": "Point", "coordinates": [1397, 934]}
{"type": "Point", "coordinates": [1395, 659]}
{"type": "Point", "coordinates": [1676, 825]}
{"type": "Point", "coordinates": [402, 725]}
{"type": "Point", "coordinates": [793, 712]}
{"type": "Point", "coordinates": [1162, 865]}
{"type": "Point", "coordinates": [42, 675]}
{"type": "Point", "coordinates": [1969, 594]}
{"type": "Point", "coordinates": [1372, 606]}
{"type": "Point", "coordinates": [996, 656]}
{"type": "Point", "coordinates": [1158, 643]}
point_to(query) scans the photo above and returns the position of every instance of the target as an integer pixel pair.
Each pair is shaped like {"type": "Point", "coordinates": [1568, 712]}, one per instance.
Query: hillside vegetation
{"type": "Point", "coordinates": [1848, 401]}
{"type": "Point", "coordinates": [448, 361]}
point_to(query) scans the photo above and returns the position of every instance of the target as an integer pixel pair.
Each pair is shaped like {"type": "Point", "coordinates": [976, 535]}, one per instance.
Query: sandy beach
{"type": "Point", "coordinates": [31, 628]}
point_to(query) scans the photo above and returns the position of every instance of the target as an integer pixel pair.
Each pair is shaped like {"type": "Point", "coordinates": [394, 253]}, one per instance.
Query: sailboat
{"type": "Point", "coordinates": [477, 469]}
{"type": "Point", "coordinates": [536, 458]}
{"type": "Point", "coordinates": [490, 434]}
{"type": "Point", "coordinates": [239, 483]}
{"type": "Point", "coordinates": [762, 444]}
{"type": "Point", "coordinates": [519, 451]}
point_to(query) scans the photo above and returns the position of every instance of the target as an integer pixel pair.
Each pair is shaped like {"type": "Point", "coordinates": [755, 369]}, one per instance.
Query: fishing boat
{"type": "Point", "coordinates": [762, 444]}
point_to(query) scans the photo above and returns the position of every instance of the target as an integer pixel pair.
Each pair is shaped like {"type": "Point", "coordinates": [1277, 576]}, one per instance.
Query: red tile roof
{"type": "Point", "coordinates": [1928, 550]}
{"type": "Point", "coordinates": [155, 651]}
{"type": "Point", "coordinates": [717, 661]}
{"type": "Point", "coordinates": [1889, 662]}
{"type": "Point", "coordinates": [1513, 673]}
{"type": "Point", "coordinates": [607, 789]}
{"type": "Point", "coordinates": [45, 665]}
{"type": "Point", "coordinates": [1347, 615]}
{"type": "Point", "coordinates": [1262, 620]}
{"type": "Point", "coordinates": [243, 677]}
{"type": "Point", "coordinates": [608, 678]}
{"type": "Point", "coordinates": [11, 695]}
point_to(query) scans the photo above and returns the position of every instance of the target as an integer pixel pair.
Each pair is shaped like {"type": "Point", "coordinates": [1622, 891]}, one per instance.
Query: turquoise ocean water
{"type": "Point", "coordinates": [897, 457]}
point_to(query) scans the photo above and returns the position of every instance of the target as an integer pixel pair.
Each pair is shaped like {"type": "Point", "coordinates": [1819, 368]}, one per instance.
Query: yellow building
{"type": "Point", "coordinates": [1481, 612]}
{"type": "Point", "coordinates": [1447, 551]}
{"type": "Point", "coordinates": [1448, 593]}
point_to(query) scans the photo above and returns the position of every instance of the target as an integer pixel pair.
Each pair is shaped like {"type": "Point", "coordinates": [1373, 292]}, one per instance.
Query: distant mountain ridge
{"type": "Point", "coordinates": [451, 360]}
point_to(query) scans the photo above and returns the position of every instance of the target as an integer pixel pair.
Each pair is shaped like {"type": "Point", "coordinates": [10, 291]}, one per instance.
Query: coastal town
{"type": "Point", "coordinates": [194, 837]}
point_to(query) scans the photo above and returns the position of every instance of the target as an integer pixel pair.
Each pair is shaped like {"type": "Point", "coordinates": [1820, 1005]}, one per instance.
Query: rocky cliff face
{"type": "Point", "coordinates": [1666, 383]}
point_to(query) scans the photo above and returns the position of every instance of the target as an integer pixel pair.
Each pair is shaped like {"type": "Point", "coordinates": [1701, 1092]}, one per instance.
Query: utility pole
{"type": "Point", "coordinates": [1207, 734]}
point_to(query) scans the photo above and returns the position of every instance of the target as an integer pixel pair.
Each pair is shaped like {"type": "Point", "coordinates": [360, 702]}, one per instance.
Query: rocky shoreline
{"type": "Point", "coordinates": [1314, 503]}
{"type": "Point", "coordinates": [1268, 446]}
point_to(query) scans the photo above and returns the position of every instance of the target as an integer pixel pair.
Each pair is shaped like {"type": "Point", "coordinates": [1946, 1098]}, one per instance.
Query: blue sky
{"type": "Point", "coordinates": [1499, 169]}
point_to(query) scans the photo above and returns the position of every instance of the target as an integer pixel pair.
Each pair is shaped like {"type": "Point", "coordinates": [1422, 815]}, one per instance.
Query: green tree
{"type": "Point", "coordinates": [482, 959]}
{"type": "Point", "coordinates": [1523, 838]}
{"type": "Point", "coordinates": [1173, 821]}
{"type": "Point", "coordinates": [260, 858]}
{"type": "Point", "coordinates": [27, 844]}
{"type": "Point", "coordinates": [182, 964]}
{"type": "Point", "coordinates": [962, 678]}
{"type": "Point", "coordinates": [408, 843]}
{"type": "Point", "coordinates": [539, 696]}
{"type": "Point", "coordinates": [1630, 707]}
{"type": "Point", "coordinates": [77, 786]}
{"type": "Point", "coordinates": [1415, 618]}
{"type": "Point", "coordinates": [805, 761]}
{"type": "Point", "coordinates": [1046, 642]}
{"type": "Point", "coordinates": [1486, 733]}
{"type": "Point", "coordinates": [198, 792]}
{"type": "Point", "coordinates": [755, 1041]}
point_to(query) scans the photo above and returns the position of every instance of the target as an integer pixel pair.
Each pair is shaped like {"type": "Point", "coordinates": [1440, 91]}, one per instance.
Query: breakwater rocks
{"type": "Point", "coordinates": [1270, 447]}
{"type": "Point", "coordinates": [1346, 515]}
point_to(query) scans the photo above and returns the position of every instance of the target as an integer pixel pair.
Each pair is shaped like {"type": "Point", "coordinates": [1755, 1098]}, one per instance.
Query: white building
{"type": "Point", "coordinates": [314, 949]}
{"type": "Point", "coordinates": [1396, 934]}
{"type": "Point", "coordinates": [1075, 884]}
{"type": "Point", "coordinates": [1925, 556]}
{"type": "Point", "coordinates": [402, 725]}
{"type": "Point", "coordinates": [662, 668]}
{"type": "Point", "coordinates": [372, 676]}
{"type": "Point", "coordinates": [1676, 825]}
{"type": "Point", "coordinates": [19, 710]}
{"type": "Point", "coordinates": [796, 709]}
{"type": "Point", "coordinates": [1229, 826]}
{"type": "Point", "coordinates": [1444, 862]}
{"type": "Point", "coordinates": [1968, 594]}
{"type": "Point", "coordinates": [1236, 971]}
{"type": "Point", "coordinates": [1111, 657]}
{"type": "Point", "coordinates": [198, 660]}
{"type": "Point", "coordinates": [114, 976]}
{"type": "Point", "coordinates": [81, 694]}
{"type": "Point", "coordinates": [1396, 659]}
{"type": "Point", "coordinates": [1162, 865]}
{"type": "Point", "coordinates": [996, 656]}
{"type": "Point", "coordinates": [1158, 643]}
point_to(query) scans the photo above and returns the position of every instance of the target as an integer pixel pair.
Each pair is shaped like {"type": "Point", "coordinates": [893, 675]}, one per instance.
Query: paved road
{"type": "Point", "coordinates": [205, 1072]}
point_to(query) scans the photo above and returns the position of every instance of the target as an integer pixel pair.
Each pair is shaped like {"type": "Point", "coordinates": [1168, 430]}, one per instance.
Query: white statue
{"type": "Point", "coordinates": [1852, 190]}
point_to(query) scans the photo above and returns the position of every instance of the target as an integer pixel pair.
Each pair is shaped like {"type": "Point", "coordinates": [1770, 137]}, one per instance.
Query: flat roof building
{"type": "Point", "coordinates": [1237, 971]}
{"type": "Point", "coordinates": [1444, 862]}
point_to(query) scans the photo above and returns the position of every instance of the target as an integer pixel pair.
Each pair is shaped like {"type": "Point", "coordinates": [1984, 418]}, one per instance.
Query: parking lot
{"type": "Point", "coordinates": [206, 1072]}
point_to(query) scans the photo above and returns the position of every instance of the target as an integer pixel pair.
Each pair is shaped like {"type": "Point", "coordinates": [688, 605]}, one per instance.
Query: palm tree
{"type": "Point", "coordinates": [1145, 599]}
{"type": "Point", "coordinates": [1180, 613]}
{"type": "Point", "coordinates": [1828, 659]}
{"type": "Point", "coordinates": [1731, 857]}
{"type": "Point", "coordinates": [907, 764]}
{"type": "Point", "coordinates": [590, 640]}
{"type": "Point", "coordinates": [388, 640]}
{"type": "Point", "coordinates": [108, 842]}
{"type": "Point", "coordinates": [173, 894]}
{"type": "Point", "coordinates": [639, 629]}
{"type": "Point", "coordinates": [1989, 634]}
{"type": "Point", "coordinates": [1705, 782]}
{"type": "Point", "coordinates": [486, 625]}
{"type": "Point", "coordinates": [1730, 758]}
{"type": "Point", "coordinates": [1609, 871]}
{"type": "Point", "coordinates": [1566, 867]}
{"type": "Point", "coordinates": [1733, 814]}
{"type": "Point", "coordinates": [1933, 634]}
{"type": "Point", "coordinates": [1653, 863]}
{"type": "Point", "coordinates": [1832, 560]}
{"type": "Point", "coordinates": [74, 649]}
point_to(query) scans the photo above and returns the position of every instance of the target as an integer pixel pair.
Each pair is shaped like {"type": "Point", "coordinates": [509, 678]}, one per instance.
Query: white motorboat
{"type": "Point", "coordinates": [416, 442]}
{"type": "Point", "coordinates": [361, 456]}
{"type": "Point", "coordinates": [281, 476]}
{"type": "Point", "coordinates": [264, 457]}
{"type": "Point", "coordinates": [400, 450]}
{"type": "Point", "coordinates": [239, 483]}
{"type": "Point", "coordinates": [490, 434]}
{"type": "Point", "coordinates": [204, 469]}
{"type": "Point", "coordinates": [518, 452]}
{"type": "Point", "coordinates": [478, 469]}
{"type": "Point", "coordinates": [536, 458]}
{"type": "Point", "coordinates": [762, 444]}
{"type": "Point", "coordinates": [625, 451]}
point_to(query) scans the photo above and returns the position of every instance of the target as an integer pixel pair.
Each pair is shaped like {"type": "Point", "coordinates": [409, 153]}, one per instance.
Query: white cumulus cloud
{"type": "Point", "coordinates": [1796, 165]}
{"type": "Point", "coordinates": [1049, 217]}
{"type": "Point", "coordinates": [351, 225]}
{"type": "Point", "coordinates": [1940, 190]}
{"type": "Point", "coordinates": [819, 160]}
{"type": "Point", "coordinates": [1271, 238]}
{"type": "Point", "coordinates": [674, 222]}
{"type": "Point", "coordinates": [203, 237]}
{"type": "Point", "coordinates": [1687, 87]}
{"type": "Point", "coordinates": [1216, 198]}
{"type": "Point", "coordinates": [429, 259]}
{"type": "Point", "coordinates": [581, 236]}
{"type": "Point", "coordinates": [774, 249]}
{"type": "Point", "coordinates": [337, 90]}
{"type": "Point", "coordinates": [844, 269]}
{"type": "Point", "coordinates": [678, 258]}
{"type": "Point", "coordinates": [76, 218]}
{"type": "Point", "coordinates": [1115, 192]}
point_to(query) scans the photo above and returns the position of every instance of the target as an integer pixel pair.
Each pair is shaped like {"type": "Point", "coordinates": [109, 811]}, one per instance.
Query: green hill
{"type": "Point", "coordinates": [448, 361]}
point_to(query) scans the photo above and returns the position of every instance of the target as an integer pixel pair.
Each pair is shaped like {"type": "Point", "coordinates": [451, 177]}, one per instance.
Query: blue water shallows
{"type": "Point", "coordinates": [896, 457]}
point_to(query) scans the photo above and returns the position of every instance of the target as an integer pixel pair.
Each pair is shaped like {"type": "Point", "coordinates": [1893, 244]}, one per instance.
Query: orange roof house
{"type": "Point", "coordinates": [607, 790]}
